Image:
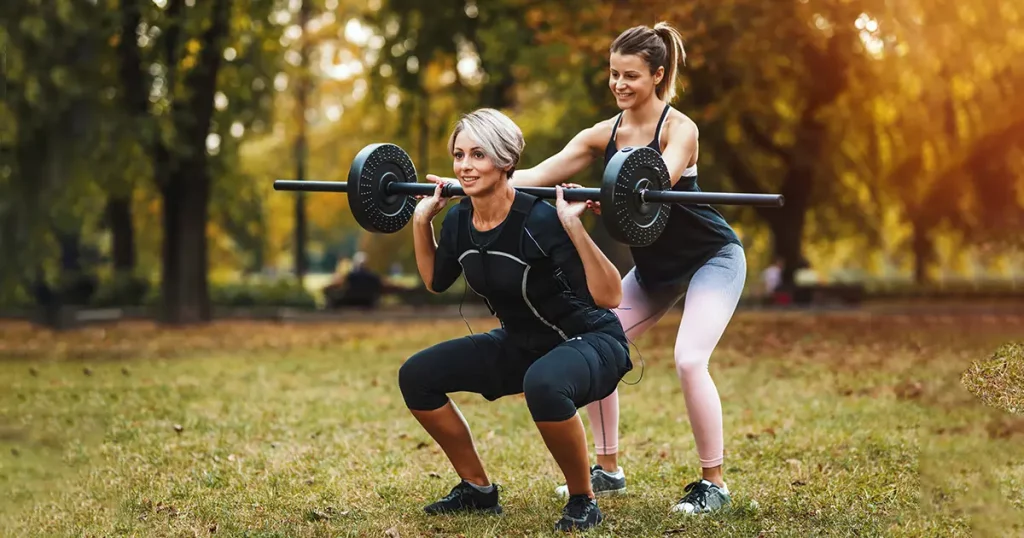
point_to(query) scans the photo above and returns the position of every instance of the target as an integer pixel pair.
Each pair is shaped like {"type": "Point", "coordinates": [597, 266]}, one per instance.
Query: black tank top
{"type": "Point", "coordinates": [533, 299]}
{"type": "Point", "coordinates": [693, 235]}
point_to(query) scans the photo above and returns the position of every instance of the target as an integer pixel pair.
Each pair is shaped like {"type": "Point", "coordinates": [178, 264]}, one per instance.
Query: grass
{"type": "Point", "coordinates": [999, 380]}
{"type": "Point", "coordinates": [837, 425]}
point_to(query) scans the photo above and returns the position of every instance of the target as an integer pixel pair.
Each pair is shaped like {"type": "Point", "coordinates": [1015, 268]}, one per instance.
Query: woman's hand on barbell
{"type": "Point", "coordinates": [568, 211]}
{"type": "Point", "coordinates": [429, 206]}
{"type": "Point", "coordinates": [433, 178]}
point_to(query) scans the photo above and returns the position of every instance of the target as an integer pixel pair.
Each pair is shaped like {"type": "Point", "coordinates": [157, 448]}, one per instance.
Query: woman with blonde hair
{"type": "Point", "coordinates": [552, 289]}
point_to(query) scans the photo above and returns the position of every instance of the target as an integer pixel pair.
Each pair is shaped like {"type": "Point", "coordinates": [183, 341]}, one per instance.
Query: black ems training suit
{"type": "Point", "coordinates": [555, 344]}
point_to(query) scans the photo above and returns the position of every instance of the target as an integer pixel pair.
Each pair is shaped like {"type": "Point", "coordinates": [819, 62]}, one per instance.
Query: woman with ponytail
{"type": "Point", "coordinates": [698, 259]}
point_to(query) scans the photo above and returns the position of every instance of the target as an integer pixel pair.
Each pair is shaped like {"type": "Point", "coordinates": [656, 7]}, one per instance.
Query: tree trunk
{"type": "Point", "coordinates": [76, 286]}
{"type": "Point", "coordinates": [923, 252]}
{"type": "Point", "coordinates": [787, 225]}
{"type": "Point", "coordinates": [301, 265]}
{"type": "Point", "coordinates": [787, 240]}
{"type": "Point", "coordinates": [119, 216]}
{"type": "Point", "coordinates": [184, 182]}
{"type": "Point", "coordinates": [21, 240]}
{"type": "Point", "coordinates": [70, 244]}
{"type": "Point", "coordinates": [184, 283]}
{"type": "Point", "coordinates": [301, 152]}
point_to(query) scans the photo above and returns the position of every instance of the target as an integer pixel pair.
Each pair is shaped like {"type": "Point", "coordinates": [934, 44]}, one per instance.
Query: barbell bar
{"type": "Point", "coordinates": [635, 195]}
{"type": "Point", "coordinates": [573, 195]}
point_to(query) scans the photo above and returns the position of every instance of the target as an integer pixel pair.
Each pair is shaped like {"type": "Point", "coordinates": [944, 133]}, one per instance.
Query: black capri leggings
{"type": "Point", "coordinates": [556, 380]}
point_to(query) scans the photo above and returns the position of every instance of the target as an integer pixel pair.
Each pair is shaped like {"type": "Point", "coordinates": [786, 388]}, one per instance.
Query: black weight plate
{"type": "Point", "coordinates": [373, 168]}
{"type": "Point", "coordinates": [626, 217]}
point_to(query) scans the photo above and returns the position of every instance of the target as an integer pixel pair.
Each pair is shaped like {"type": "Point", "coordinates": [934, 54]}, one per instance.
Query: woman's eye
{"type": "Point", "coordinates": [478, 155]}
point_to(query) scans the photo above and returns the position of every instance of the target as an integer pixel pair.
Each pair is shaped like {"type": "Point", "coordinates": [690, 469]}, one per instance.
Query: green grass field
{"type": "Point", "coordinates": [836, 425]}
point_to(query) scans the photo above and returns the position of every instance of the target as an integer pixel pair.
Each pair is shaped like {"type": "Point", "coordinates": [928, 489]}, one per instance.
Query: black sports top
{"type": "Point", "coordinates": [693, 235]}
{"type": "Point", "coordinates": [527, 269]}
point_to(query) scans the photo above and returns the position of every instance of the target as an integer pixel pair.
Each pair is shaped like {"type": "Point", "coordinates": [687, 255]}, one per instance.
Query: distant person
{"type": "Point", "coordinates": [771, 282]}
{"type": "Point", "coordinates": [354, 284]}
{"type": "Point", "coordinates": [362, 286]}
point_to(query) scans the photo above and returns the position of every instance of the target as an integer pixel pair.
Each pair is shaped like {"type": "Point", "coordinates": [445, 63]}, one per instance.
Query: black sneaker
{"type": "Point", "coordinates": [703, 497]}
{"type": "Point", "coordinates": [466, 498]}
{"type": "Point", "coordinates": [602, 482]}
{"type": "Point", "coordinates": [580, 513]}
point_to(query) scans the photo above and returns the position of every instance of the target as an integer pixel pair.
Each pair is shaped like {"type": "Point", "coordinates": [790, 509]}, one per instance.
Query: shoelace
{"type": "Point", "coordinates": [457, 491]}
{"type": "Point", "coordinates": [696, 494]}
{"type": "Point", "coordinates": [577, 507]}
{"type": "Point", "coordinates": [464, 487]}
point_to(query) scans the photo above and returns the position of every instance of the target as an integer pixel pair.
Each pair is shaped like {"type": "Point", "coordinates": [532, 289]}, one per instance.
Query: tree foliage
{"type": "Point", "coordinates": [891, 128]}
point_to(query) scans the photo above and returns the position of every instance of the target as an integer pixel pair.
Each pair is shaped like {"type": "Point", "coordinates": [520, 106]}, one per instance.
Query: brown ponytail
{"type": "Point", "coordinates": [661, 46]}
{"type": "Point", "coordinates": [675, 55]}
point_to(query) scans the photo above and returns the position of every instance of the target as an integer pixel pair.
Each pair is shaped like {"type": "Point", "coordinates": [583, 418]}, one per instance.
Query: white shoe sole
{"type": "Point", "coordinates": [563, 491]}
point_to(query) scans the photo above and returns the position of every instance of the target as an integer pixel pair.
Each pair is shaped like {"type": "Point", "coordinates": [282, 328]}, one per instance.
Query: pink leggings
{"type": "Point", "coordinates": [710, 300]}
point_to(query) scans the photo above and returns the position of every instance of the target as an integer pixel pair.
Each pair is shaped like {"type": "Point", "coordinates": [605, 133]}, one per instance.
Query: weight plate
{"type": "Point", "coordinates": [626, 217]}
{"type": "Point", "coordinates": [373, 168]}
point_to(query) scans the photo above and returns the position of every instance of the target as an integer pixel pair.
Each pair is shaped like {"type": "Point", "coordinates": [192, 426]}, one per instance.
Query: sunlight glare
{"type": "Point", "coordinates": [213, 143]}
{"type": "Point", "coordinates": [393, 99]}
{"type": "Point", "coordinates": [356, 33]}
{"type": "Point", "coordinates": [281, 82]}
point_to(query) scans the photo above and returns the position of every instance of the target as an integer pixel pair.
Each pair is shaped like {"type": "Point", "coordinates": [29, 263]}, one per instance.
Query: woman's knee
{"type": "Point", "coordinates": [690, 360]}
{"type": "Point", "coordinates": [547, 397]}
{"type": "Point", "coordinates": [408, 375]}
{"type": "Point", "coordinates": [414, 382]}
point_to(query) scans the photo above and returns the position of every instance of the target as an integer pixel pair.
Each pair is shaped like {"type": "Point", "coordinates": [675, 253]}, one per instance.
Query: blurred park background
{"type": "Point", "coordinates": [140, 138]}
{"type": "Point", "coordinates": [139, 141]}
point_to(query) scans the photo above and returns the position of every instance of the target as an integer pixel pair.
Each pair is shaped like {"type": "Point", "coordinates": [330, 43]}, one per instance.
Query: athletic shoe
{"type": "Point", "coordinates": [602, 482]}
{"type": "Point", "coordinates": [466, 498]}
{"type": "Point", "coordinates": [703, 497]}
{"type": "Point", "coordinates": [580, 513]}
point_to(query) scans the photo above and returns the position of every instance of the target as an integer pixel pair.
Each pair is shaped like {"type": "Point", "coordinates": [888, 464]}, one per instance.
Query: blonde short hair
{"type": "Point", "coordinates": [498, 136]}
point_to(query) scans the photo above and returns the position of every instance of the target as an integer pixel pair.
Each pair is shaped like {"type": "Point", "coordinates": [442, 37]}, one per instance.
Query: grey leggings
{"type": "Point", "coordinates": [710, 300]}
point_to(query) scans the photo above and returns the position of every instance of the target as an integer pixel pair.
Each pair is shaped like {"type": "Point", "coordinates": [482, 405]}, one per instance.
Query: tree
{"type": "Point", "coordinates": [175, 102]}
{"type": "Point", "coordinates": [53, 114]}
{"type": "Point", "coordinates": [943, 127]}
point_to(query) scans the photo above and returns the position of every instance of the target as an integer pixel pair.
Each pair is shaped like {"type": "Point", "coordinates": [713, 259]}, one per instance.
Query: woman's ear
{"type": "Point", "coordinates": [659, 75]}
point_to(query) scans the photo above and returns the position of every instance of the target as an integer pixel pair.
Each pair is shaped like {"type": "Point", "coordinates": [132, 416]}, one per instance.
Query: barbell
{"type": "Point", "coordinates": [636, 192]}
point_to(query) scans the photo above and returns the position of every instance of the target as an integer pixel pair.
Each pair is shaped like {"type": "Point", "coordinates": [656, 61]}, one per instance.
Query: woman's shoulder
{"type": "Point", "coordinates": [462, 205]}
{"type": "Point", "coordinates": [679, 123]}
{"type": "Point", "coordinates": [597, 135]}
{"type": "Point", "coordinates": [542, 227]}
{"type": "Point", "coordinates": [451, 218]}
{"type": "Point", "coordinates": [542, 215]}
{"type": "Point", "coordinates": [543, 219]}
